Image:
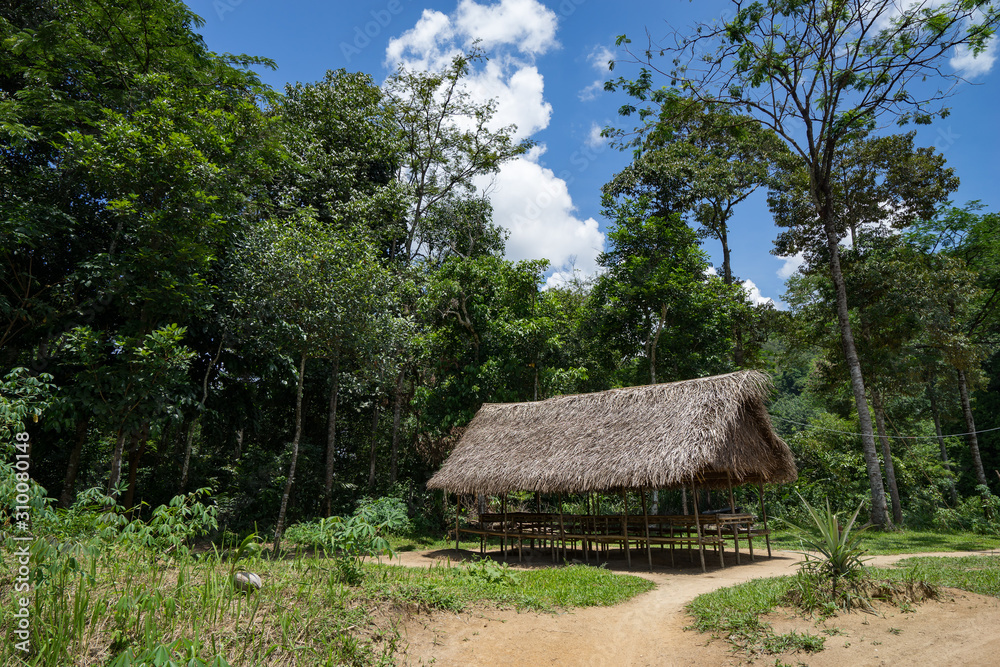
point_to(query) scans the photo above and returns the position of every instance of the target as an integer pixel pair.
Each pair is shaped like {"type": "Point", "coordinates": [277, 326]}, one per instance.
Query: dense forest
{"type": "Point", "coordinates": [297, 299]}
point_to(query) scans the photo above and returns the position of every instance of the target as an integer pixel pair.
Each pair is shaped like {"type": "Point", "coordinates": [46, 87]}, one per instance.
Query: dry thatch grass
{"type": "Point", "coordinates": [706, 431]}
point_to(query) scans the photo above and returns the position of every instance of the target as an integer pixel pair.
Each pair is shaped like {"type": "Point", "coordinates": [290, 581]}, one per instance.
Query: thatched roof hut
{"type": "Point", "coordinates": [710, 431]}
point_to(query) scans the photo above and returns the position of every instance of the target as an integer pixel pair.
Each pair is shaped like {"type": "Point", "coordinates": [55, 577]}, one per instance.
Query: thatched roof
{"type": "Point", "coordinates": [657, 436]}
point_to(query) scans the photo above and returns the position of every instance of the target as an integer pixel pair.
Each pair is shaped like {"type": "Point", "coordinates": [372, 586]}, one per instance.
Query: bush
{"type": "Point", "coordinates": [842, 555]}
{"type": "Point", "coordinates": [977, 514]}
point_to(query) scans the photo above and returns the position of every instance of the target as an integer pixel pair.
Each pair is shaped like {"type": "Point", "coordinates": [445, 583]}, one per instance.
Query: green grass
{"type": "Point", "coordinates": [902, 541]}
{"type": "Point", "coordinates": [545, 589]}
{"type": "Point", "coordinates": [113, 605]}
{"type": "Point", "coordinates": [734, 613]}
{"type": "Point", "coordinates": [976, 574]}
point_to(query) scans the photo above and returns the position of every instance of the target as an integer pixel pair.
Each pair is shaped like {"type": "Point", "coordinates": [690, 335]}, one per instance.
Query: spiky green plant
{"type": "Point", "coordinates": [842, 555]}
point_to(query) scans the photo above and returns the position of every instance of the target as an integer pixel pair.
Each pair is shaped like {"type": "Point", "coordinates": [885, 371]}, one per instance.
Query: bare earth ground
{"type": "Point", "coordinates": [959, 629]}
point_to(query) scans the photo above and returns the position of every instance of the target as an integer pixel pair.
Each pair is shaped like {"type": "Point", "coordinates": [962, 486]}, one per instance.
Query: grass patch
{"type": "Point", "coordinates": [126, 606]}
{"type": "Point", "coordinates": [734, 614]}
{"type": "Point", "coordinates": [455, 588]}
{"type": "Point", "coordinates": [902, 541]}
{"type": "Point", "coordinates": [976, 574]}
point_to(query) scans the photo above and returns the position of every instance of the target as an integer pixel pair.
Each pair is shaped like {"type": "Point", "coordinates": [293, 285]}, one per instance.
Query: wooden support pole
{"type": "Point", "coordinates": [458, 505]}
{"type": "Point", "coordinates": [562, 528]}
{"type": "Point", "coordinates": [503, 540]}
{"type": "Point", "coordinates": [697, 526]}
{"type": "Point", "coordinates": [645, 517]}
{"type": "Point", "coordinates": [735, 526]}
{"type": "Point", "coordinates": [628, 553]}
{"type": "Point", "coordinates": [763, 512]}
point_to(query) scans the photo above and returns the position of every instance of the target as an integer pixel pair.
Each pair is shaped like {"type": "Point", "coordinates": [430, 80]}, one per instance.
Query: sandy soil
{"type": "Point", "coordinates": [958, 629]}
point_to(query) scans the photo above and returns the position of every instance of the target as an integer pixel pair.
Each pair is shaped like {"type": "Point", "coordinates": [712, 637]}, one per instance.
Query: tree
{"type": "Point", "coordinates": [701, 161]}
{"type": "Point", "coordinates": [447, 140]}
{"type": "Point", "coordinates": [309, 291]}
{"type": "Point", "coordinates": [817, 74]}
{"type": "Point", "coordinates": [657, 298]}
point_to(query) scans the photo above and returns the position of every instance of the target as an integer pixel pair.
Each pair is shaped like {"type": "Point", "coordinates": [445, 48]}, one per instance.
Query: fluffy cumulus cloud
{"type": "Point", "coordinates": [535, 205]}
{"type": "Point", "coordinates": [528, 199]}
{"type": "Point", "coordinates": [526, 24]}
{"type": "Point", "coordinates": [753, 292]}
{"type": "Point", "coordinates": [526, 27]}
{"type": "Point", "coordinates": [791, 265]}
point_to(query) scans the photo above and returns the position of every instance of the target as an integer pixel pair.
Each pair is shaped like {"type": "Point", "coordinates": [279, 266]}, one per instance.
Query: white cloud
{"type": "Point", "coordinates": [526, 24]}
{"type": "Point", "coordinates": [753, 292]}
{"type": "Point", "coordinates": [972, 66]}
{"type": "Point", "coordinates": [535, 205]}
{"type": "Point", "coordinates": [528, 199]}
{"type": "Point", "coordinates": [598, 59]}
{"type": "Point", "coordinates": [423, 47]}
{"type": "Point", "coordinates": [791, 265]}
{"type": "Point", "coordinates": [519, 91]}
{"type": "Point", "coordinates": [594, 138]}
{"type": "Point", "coordinates": [711, 271]}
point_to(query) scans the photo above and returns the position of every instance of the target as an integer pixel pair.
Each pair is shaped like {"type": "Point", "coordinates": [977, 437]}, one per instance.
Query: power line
{"type": "Point", "coordinates": [896, 437]}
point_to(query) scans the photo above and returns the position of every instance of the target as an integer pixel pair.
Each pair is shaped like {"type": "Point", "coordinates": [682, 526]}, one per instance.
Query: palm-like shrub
{"type": "Point", "coordinates": [842, 555]}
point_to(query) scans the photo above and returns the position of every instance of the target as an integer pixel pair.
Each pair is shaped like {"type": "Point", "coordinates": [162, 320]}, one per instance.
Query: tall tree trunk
{"type": "Point", "coordinates": [890, 468]}
{"type": "Point", "coordinates": [66, 499]}
{"type": "Point", "coordinates": [197, 419]}
{"type": "Point", "coordinates": [879, 513]}
{"type": "Point", "coordinates": [970, 428]}
{"type": "Point", "coordinates": [397, 409]}
{"type": "Point", "coordinates": [652, 342]}
{"type": "Point", "coordinates": [116, 462]}
{"type": "Point", "coordinates": [374, 439]}
{"type": "Point", "coordinates": [331, 433]}
{"type": "Point", "coordinates": [280, 527]}
{"type": "Point", "coordinates": [135, 452]}
{"type": "Point", "coordinates": [727, 278]}
{"type": "Point", "coordinates": [936, 414]}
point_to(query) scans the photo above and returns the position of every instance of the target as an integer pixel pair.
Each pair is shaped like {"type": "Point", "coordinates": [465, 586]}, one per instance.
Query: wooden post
{"type": "Point", "coordinates": [763, 512]}
{"type": "Point", "coordinates": [645, 517]}
{"type": "Point", "coordinates": [562, 528]}
{"type": "Point", "coordinates": [697, 526]}
{"type": "Point", "coordinates": [503, 540]}
{"type": "Point", "coordinates": [458, 504]}
{"type": "Point", "coordinates": [736, 526]}
{"type": "Point", "coordinates": [628, 554]}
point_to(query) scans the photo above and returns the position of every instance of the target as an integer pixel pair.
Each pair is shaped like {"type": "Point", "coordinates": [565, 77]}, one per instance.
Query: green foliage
{"type": "Point", "coordinates": [842, 554]}
{"type": "Point", "coordinates": [171, 528]}
{"type": "Point", "coordinates": [977, 514]}
{"type": "Point", "coordinates": [22, 395]}
{"type": "Point", "coordinates": [657, 300]}
{"type": "Point", "coordinates": [490, 572]}
{"type": "Point", "coordinates": [354, 538]}
{"type": "Point", "coordinates": [180, 652]}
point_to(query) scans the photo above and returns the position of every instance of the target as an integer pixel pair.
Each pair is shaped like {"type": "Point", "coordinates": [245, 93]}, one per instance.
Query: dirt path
{"type": "Point", "coordinates": [649, 629]}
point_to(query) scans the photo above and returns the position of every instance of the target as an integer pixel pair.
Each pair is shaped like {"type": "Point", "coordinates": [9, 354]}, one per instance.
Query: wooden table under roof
{"type": "Point", "coordinates": [711, 432]}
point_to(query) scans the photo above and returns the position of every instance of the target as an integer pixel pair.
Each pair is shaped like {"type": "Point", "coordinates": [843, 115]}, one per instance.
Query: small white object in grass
{"type": "Point", "coordinates": [247, 581]}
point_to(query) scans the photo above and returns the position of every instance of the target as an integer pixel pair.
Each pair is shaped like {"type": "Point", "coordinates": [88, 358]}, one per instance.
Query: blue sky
{"type": "Point", "coordinates": [548, 60]}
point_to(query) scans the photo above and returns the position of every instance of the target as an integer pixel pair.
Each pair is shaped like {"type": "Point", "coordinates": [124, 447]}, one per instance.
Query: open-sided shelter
{"type": "Point", "coordinates": [710, 432]}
